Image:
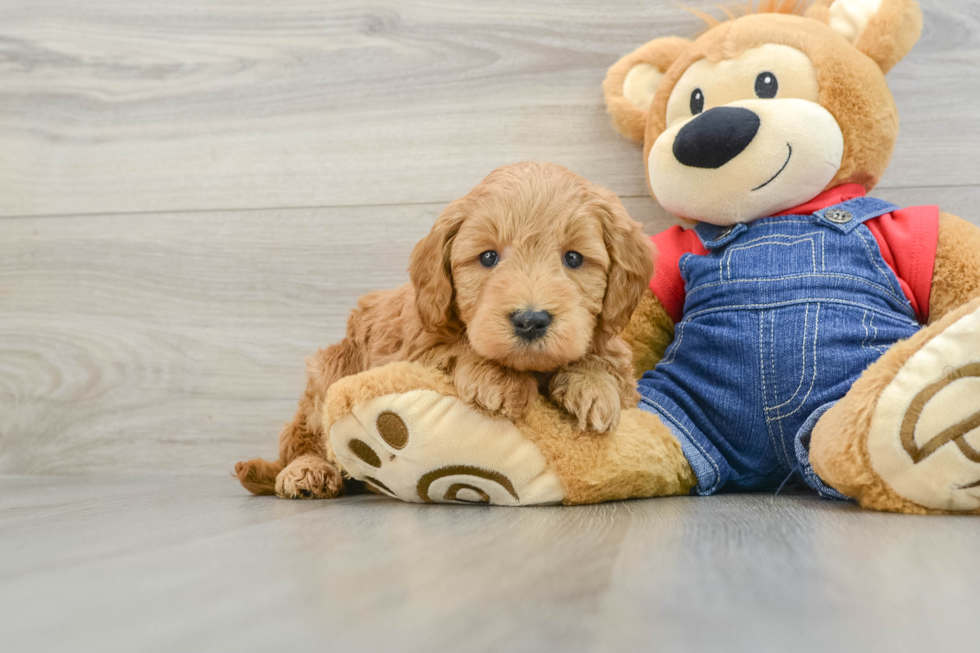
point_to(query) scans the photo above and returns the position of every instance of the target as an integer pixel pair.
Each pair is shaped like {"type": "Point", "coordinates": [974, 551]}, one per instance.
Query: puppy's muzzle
{"type": "Point", "coordinates": [530, 325]}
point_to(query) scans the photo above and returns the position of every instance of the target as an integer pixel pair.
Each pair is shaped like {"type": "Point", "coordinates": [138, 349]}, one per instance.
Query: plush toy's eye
{"type": "Point", "coordinates": [489, 258]}
{"type": "Point", "coordinates": [697, 102]}
{"type": "Point", "coordinates": [574, 260]}
{"type": "Point", "coordinates": [766, 85]}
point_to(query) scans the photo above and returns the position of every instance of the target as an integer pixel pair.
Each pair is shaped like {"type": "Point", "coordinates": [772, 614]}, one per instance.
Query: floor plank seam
{"type": "Point", "coordinates": [333, 207]}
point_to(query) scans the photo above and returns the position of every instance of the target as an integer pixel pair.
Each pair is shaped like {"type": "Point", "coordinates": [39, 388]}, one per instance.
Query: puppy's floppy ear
{"type": "Point", "coordinates": [632, 81]}
{"type": "Point", "coordinates": [430, 271]}
{"type": "Point", "coordinates": [885, 30]}
{"type": "Point", "coordinates": [630, 265]}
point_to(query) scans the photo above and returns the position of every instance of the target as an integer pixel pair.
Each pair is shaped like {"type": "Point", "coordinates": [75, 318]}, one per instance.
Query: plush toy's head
{"type": "Point", "coordinates": [763, 112]}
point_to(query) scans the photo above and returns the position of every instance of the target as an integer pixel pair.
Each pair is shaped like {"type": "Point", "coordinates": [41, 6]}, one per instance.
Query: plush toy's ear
{"type": "Point", "coordinates": [632, 81]}
{"type": "Point", "coordinates": [885, 30]}
{"type": "Point", "coordinates": [430, 271]}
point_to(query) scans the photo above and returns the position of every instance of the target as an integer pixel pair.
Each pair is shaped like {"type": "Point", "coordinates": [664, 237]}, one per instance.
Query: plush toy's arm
{"type": "Point", "coordinates": [649, 333]}
{"type": "Point", "coordinates": [956, 276]}
{"type": "Point", "coordinates": [403, 429]}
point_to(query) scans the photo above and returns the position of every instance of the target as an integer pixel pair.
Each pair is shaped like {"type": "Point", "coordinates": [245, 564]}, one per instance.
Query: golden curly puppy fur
{"type": "Point", "coordinates": [523, 284]}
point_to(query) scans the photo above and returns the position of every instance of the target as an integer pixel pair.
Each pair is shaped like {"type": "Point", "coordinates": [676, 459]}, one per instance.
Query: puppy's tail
{"type": "Point", "coordinates": [258, 476]}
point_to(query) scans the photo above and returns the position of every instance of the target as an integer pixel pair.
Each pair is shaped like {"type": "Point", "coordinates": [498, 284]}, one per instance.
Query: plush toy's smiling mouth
{"type": "Point", "coordinates": [773, 178]}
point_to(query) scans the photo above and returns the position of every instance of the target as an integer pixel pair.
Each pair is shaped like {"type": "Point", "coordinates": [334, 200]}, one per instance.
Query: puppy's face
{"type": "Point", "coordinates": [530, 280]}
{"type": "Point", "coordinates": [541, 264]}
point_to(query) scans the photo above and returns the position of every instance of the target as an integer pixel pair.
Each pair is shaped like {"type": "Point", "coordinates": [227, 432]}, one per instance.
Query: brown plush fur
{"type": "Point", "coordinates": [839, 450]}
{"type": "Point", "coordinates": [956, 276]}
{"type": "Point", "coordinates": [455, 315]}
{"type": "Point", "coordinates": [649, 333]}
{"type": "Point", "coordinates": [889, 36]}
{"type": "Point", "coordinates": [852, 88]}
{"type": "Point", "coordinates": [839, 445]}
{"type": "Point", "coordinates": [641, 458]}
{"type": "Point", "coordinates": [852, 84]}
{"type": "Point", "coordinates": [661, 54]}
{"type": "Point", "coordinates": [793, 7]}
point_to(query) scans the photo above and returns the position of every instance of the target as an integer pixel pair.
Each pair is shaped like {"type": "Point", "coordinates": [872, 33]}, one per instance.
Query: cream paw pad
{"type": "Point", "coordinates": [425, 447]}
{"type": "Point", "coordinates": [925, 433]}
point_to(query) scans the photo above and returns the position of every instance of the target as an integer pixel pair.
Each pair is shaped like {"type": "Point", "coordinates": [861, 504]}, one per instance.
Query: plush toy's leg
{"type": "Point", "coordinates": [906, 437]}
{"type": "Point", "coordinates": [402, 429]}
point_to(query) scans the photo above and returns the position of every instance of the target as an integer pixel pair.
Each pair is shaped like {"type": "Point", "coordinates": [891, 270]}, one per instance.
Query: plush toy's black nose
{"type": "Point", "coordinates": [715, 137]}
{"type": "Point", "coordinates": [530, 325]}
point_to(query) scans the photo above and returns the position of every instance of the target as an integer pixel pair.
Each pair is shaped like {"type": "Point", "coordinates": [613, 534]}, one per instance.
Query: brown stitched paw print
{"type": "Point", "coordinates": [425, 447]}
{"type": "Point", "coordinates": [924, 437]}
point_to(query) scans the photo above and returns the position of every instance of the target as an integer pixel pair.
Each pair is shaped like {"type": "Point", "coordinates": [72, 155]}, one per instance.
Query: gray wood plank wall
{"type": "Point", "coordinates": [193, 194]}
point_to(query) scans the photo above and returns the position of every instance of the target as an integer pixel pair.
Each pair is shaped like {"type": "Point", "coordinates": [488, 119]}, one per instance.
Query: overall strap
{"type": "Point", "coordinates": [848, 216]}
{"type": "Point", "coordinates": [844, 217]}
{"type": "Point", "coordinates": [712, 236]}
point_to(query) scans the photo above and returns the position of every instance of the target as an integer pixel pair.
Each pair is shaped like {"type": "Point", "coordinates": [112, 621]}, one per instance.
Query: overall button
{"type": "Point", "coordinates": [726, 232]}
{"type": "Point", "coordinates": [839, 216]}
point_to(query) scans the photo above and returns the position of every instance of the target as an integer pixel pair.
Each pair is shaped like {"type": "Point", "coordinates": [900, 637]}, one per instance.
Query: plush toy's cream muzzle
{"type": "Point", "coordinates": [746, 159]}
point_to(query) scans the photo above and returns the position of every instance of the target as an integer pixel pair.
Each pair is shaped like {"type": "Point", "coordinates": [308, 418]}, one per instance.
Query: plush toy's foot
{"type": "Point", "coordinates": [906, 438]}
{"type": "Point", "coordinates": [394, 429]}
{"type": "Point", "coordinates": [309, 477]}
{"type": "Point", "coordinates": [402, 429]}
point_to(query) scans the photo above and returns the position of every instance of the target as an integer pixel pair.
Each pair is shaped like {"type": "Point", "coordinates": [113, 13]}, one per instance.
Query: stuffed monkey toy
{"type": "Point", "coordinates": [799, 327]}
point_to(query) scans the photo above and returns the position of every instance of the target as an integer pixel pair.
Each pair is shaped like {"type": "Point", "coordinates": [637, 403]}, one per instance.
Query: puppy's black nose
{"type": "Point", "coordinates": [715, 137]}
{"type": "Point", "coordinates": [530, 325]}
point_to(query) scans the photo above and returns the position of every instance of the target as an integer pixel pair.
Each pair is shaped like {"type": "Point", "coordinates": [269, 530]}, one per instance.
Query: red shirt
{"type": "Point", "coordinates": [907, 239]}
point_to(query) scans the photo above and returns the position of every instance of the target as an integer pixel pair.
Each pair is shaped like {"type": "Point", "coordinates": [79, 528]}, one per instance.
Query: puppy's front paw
{"type": "Point", "coordinates": [309, 477]}
{"type": "Point", "coordinates": [591, 396]}
{"type": "Point", "coordinates": [495, 389]}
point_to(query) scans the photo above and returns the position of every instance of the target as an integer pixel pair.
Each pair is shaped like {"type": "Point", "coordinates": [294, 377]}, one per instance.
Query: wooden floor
{"type": "Point", "coordinates": [164, 564]}
{"type": "Point", "coordinates": [192, 196]}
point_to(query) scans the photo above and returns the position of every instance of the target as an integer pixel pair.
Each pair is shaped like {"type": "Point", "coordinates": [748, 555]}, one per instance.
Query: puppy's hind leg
{"type": "Point", "coordinates": [307, 471]}
{"type": "Point", "coordinates": [258, 476]}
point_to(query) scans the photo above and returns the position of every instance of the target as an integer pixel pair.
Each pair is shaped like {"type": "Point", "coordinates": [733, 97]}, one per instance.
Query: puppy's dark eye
{"type": "Point", "coordinates": [574, 260]}
{"type": "Point", "coordinates": [766, 86]}
{"type": "Point", "coordinates": [489, 259]}
{"type": "Point", "coordinates": [697, 102]}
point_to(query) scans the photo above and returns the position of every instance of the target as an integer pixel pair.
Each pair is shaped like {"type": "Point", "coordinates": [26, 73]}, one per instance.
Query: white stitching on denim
{"type": "Point", "coordinates": [874, 261]}
{"type": "Point", "coordinates": [871, 335]}
{"type": "Point", "coordinates": [806, 324]}
{"type": "Point", "coordinates": [867, 334]}
{"type": "Point", "coordinates": [874, 329]}
{"type": "Point", "coordinates": [813, 381]}
{"type": "Point", "coordinates": [690, 438]}
{"type": "Point", "coordinates": [808, 300]}
{"type": "Point", "coordinates": [764, 222]}
{"type": "Point", "coordinates": [872, 284]}
{"type": "Point", "coordinates": [726, 260]}
{"type": "Point", "coordinates": [772, 357]}
{"type": "Point", "coordinates": [671, 354]}
{"type": "Point", "coordinates": [762, 369]}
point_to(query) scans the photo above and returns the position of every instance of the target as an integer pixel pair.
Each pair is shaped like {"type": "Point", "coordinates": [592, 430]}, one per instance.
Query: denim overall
{"type": "Point", "coordinates": [781, 317]}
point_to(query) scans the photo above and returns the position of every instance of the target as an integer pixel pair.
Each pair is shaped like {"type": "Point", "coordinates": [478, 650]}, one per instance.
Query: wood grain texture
{"type": "Point", "coordinates": [173, 343]}
{"type": "Point", "coordinates": [144, 329]}
{"type": "Point", "coordinates": [167, 342]}
{"type": "Point", "coordinates": [129, 106]}
{"type": "Point", "coordinates": [193, 565]}
{"type": "Point", "coordinates": [194, 193]}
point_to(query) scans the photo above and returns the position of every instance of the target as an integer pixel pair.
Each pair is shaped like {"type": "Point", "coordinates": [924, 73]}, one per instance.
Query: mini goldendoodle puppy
{"type": "Point", "coordinates": [523, 284]}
